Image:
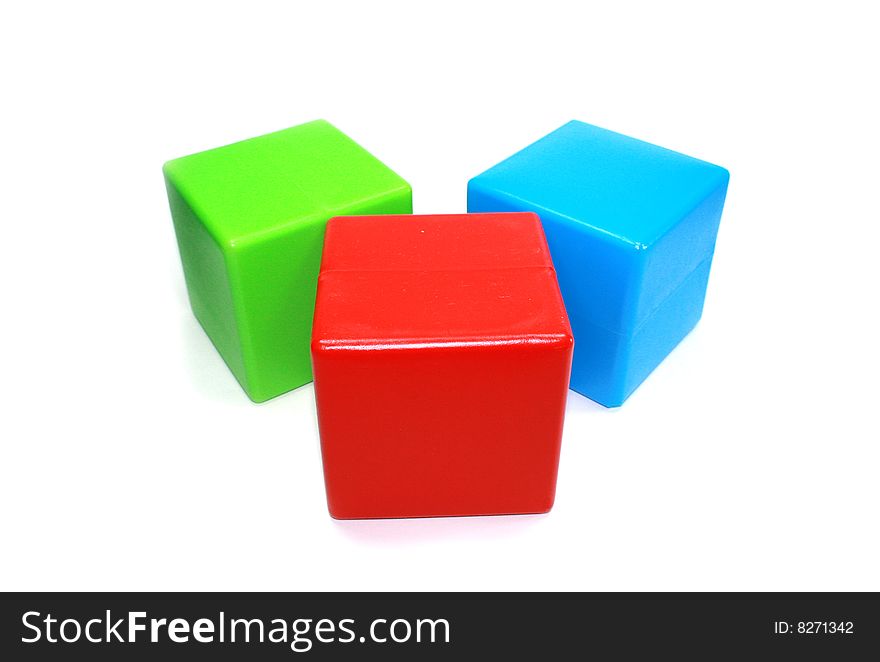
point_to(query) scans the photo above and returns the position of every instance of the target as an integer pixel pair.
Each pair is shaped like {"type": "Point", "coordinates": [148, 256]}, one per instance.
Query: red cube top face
{"type": "Point", "coordinates": [441, 353]}
{"type": "Point", "coordinates": [438, 279]}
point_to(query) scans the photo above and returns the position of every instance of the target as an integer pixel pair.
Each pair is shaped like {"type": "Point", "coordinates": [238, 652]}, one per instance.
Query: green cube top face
{"type": "Point", "coordinates": [265, 184]}
{"type": "Point", "coordinates": [249, 219]}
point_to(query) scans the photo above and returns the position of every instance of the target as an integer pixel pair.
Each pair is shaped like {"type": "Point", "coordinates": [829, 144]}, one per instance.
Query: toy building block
{"type": "Point", "coordinates": [631, 227]}
{"type": "Point", "coordinates": [249, 219]}
{"type": "Point", "coordinates": [442, 354]}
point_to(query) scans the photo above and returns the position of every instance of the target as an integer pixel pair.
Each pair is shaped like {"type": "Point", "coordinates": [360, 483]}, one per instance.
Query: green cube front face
{"type": "Point", "coordinates": [249, 219]}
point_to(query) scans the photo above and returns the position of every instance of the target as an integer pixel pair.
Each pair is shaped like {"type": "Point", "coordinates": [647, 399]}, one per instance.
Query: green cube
{"type": "Point", "coordinates": [249, 219]}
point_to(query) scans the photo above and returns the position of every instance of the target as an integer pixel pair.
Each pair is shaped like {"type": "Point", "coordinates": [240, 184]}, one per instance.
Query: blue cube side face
{"type": "Point", "coordinates": [683, 249]}
{"type": "Point", "coordinates": [607, 367]}
{"type": "Point", "coordinates": [631, 228]}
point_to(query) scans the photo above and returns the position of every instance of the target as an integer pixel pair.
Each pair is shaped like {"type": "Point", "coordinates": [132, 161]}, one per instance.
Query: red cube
{"type": "Point", "coordinates": [441, 353]}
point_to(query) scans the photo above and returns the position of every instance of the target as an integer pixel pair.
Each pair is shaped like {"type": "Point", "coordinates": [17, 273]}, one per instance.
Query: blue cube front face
{"type": "Point", "coordinates": [631, 228]}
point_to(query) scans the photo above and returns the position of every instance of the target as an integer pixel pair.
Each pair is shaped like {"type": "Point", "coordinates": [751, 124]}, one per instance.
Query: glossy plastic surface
{"type": "Point", "coordinates": [631, 227]}
{"type": "Point", "coordinates": [250, 219]}
{"type": "Point", "coordinates": [442, 354]}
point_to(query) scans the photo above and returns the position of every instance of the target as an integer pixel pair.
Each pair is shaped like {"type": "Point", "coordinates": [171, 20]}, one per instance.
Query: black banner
{"type": "Point", "coordinates": [339, 626]}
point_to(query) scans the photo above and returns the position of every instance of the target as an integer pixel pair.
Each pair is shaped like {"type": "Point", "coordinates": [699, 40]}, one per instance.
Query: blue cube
{"type": "Point", "coordinates": [631, 228]}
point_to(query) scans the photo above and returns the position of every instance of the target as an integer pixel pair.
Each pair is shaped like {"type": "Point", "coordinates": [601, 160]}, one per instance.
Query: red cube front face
{"type": "Point", "coordinates": [441, 354]}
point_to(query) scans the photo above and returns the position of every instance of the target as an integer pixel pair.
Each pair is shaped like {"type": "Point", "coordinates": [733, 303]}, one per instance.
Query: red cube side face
{"type": "Point", "coordinates": [441, 366]}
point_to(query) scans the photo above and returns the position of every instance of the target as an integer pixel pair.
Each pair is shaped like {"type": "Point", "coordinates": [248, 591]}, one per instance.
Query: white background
{"type": "Point", "coordinates": [132, 460]}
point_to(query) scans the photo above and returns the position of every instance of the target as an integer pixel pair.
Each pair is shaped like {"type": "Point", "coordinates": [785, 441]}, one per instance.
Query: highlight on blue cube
{"type": "Point", "coordinates": [631, 228]}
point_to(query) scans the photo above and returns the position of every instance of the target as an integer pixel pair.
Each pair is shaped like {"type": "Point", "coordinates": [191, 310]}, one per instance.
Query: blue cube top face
{"type": "Point", "coordinates": [627, 222]}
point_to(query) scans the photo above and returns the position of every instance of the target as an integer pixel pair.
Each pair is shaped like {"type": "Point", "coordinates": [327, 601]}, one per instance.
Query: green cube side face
{"type": "Point", "coordinates": [250, 221]}
{"type": "Point", "coordinates": [207, 282]}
